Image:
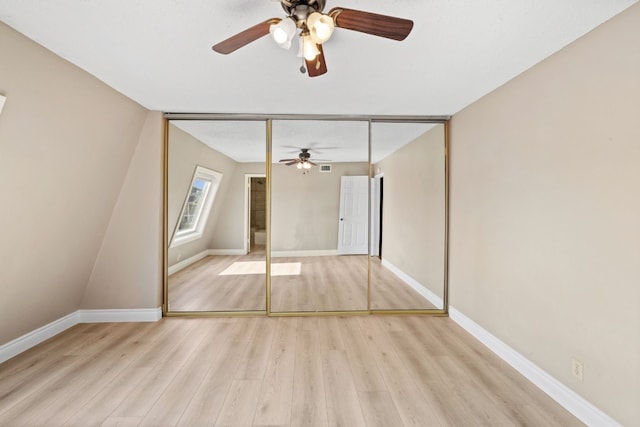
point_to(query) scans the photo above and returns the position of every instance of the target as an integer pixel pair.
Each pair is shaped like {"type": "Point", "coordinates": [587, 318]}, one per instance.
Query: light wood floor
{"type": "Point", "coordinates": [326, 283]}
{"type": "Point", "coordinates": [260, 371]}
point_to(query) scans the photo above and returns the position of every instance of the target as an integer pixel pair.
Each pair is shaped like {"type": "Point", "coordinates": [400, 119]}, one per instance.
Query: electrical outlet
{"type": "Point", "coordinates": [577, 369]}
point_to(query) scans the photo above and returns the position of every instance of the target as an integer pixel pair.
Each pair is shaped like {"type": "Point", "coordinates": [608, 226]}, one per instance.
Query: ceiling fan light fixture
{"type": "Point", "coordinates": [306, 165]}
{"type": "Point", "coordinates": [299, 165]}
{"type": "Point", "coordinates": [283, 32]}
{"type": "Point", "coordinates": [320, 27]}
{"type": "Point", "coordinates": [309, 48]}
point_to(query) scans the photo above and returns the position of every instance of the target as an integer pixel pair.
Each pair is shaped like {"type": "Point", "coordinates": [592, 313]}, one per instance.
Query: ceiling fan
{"type": "Point", "coordinates": [315, 29]}
{"type": "Point", "coordinates": [303, 161]}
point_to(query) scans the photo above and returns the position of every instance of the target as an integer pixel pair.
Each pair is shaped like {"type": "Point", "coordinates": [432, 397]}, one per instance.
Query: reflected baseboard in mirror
{"type": "Point", "coordinates": [393, 292]}
{"type": "Point", "coordinates": [334, 283]}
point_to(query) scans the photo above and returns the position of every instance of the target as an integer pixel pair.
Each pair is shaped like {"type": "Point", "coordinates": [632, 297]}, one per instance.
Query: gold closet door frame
{"type": "Point", "coordinates": [268, 120]}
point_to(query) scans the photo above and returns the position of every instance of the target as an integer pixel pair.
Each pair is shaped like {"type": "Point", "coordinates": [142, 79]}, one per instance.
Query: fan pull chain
{"type": "Point", "coordinates": [303, 70]}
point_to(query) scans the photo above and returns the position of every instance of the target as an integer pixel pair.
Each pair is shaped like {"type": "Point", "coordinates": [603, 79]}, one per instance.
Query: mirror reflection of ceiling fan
{"type": "Point", "coordinates": [303, 161]}
{"type": "Point", "coordinates": [305, 18]}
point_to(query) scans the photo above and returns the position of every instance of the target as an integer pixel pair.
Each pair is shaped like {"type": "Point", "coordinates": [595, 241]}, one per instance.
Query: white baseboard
{"type": "Point", "coordinates": [185, 263]}
{"type": "Point", "coordinates": [120, 315]}
{"type": "Point", "coordinates": [417, 286]}
{"type": "Point", "coordinates": [570, 400]}
{"type": "Point", "coordinates": [33, 338]}
{"type": "Point", "coordinates": [226, 252]}
{"type": "Point", "coordinates": [321, 252]}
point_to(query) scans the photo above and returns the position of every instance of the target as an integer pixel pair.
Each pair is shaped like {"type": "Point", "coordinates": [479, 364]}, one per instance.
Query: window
{"type": "Point", "coordinates": [198, 203]}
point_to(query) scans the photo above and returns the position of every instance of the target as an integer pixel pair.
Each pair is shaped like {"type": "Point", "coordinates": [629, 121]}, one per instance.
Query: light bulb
{"type": "Point", "coordinates": [279, 35]}
{"type": "Point", "coordinates": [283, 32]}
{"type": "Point", "coordinates": [322, 31]}
{"type": "Point", "coordinates": [299, 165]}
{"type": "Point", "coordinates": [306, 165]}
{"type": "Point", "coordinates": [320, 27]}
{"type": "Point", "coordinates": [309, 48]}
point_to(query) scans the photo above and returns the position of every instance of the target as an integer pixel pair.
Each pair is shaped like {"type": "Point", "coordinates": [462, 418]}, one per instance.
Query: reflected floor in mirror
{"type": "Point", "coordinates": [220, 283]}
{"type": "Point", "coordinates": [390, 292]}
{"type": "Point", "coordinates": [322, 283]}
{"type": "Point", "coordinates": [325, 283]}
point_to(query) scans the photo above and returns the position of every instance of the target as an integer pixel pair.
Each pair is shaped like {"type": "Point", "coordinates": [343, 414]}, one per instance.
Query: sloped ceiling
{"type": "Point", "coordinates": [158, 52]}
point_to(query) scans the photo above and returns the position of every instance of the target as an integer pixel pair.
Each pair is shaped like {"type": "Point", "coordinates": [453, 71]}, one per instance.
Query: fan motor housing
{"type": "Point", "coordinates": [301, 9]}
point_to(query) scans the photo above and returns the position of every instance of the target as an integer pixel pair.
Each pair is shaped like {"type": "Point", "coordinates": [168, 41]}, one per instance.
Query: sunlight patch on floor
{"type": "Point", "coordinates": [259, 267]}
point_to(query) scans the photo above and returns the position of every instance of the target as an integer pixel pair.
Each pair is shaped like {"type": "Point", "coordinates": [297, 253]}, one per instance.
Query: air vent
{"type": "Point", "coordinates": [325, 168]}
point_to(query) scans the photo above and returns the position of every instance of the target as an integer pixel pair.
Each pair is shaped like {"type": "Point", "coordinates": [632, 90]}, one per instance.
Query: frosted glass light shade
{"type": "Point", "coordinates": [309, 48]}
{"type": "Point", "coordinates": [283, 32]}
{"type": "Point", "coordinates": [320, 27]}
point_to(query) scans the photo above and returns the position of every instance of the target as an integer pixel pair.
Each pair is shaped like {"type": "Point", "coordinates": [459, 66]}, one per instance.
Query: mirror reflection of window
{"type": "Point", "coordinates": [198, 203]}
{"type": "Point", "coordinates": [193, 208]}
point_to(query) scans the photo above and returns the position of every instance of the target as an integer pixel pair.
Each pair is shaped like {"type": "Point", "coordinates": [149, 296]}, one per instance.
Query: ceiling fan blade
{"type": "Point", "coordinates": [291, 162]}
{"type": "Point", "coordinates": [245, 37]}
{"type": "Point", "coordinates": [287, 160]}
{"type": "Point", "coordinates": [311, 163]}
{"type": "Point", "coordinates": [317, 66]}
{"type": "Point", "coordinates": [371, 23]}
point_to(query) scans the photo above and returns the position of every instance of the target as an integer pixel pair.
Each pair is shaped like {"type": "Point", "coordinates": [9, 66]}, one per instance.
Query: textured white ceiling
{"type": "Point", "coordinates": [327, 141]}
{"type": "Point", "coordinates": [158, 52]}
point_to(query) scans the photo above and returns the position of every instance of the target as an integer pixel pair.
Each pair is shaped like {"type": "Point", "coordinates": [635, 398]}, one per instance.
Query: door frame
{"type": "Point", "coordinates": [376, 214]}
{"type": "Point", "coordinates": [247, 208]}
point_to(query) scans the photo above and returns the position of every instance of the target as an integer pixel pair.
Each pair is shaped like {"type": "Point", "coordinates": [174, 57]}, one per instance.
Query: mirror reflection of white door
{"type": "Point", "coordinates": [353, 233]}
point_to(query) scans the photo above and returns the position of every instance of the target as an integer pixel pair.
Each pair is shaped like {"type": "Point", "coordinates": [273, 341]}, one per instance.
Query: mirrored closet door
{"type": "Point", "coordinates": [319, 221]}
{"type": "Point", "coordinates": [216, 216]}
{"type": "Point", "coordinates": [298, 215]}
{"type": "Point", "coordinates": [408, 216]}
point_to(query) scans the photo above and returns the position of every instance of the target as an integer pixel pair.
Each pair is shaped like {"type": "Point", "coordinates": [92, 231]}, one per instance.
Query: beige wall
{"type": "Point", "coordinates": [545, 215]}
{"type": "Point", "coordinates": [128, 270]}
{"type": "Point", "coordinates": [305, 208]}
{"type": "Point", "coordinates": [413, 219]}
{"type": "Point", "coordinates": [66, 142]}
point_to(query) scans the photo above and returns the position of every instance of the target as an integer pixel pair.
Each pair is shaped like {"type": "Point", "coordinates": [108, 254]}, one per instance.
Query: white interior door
{"type": "Point", "coordinates": [353, 227]}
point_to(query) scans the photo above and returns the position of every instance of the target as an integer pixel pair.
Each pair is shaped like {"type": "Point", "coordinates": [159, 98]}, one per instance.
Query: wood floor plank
{"type": "Point", "coordinates": [309, 407]}
{"type": "Point", "coordinates": [93, 364]}
{"type": "Point", "coordinates": [413, 407]}
{"type": "Point", "coordinates": [363, 364]}
{"type": "Point", "coordinates": [378, 409]}
{"type": "Point", "coordinates": [170, 405]}
{"type": "Point", "coordinates": [329, 333]}
{"type": "Point", "coordinates": [254, 361]}
{"type": "Point", "coordinates": [343, 404]}
{"type": "Point", "coordinates": [207, 401]}
{"type": "Point", "coordinates": [141, 400]}
{"type": "Point", "coordinates": [192, 372]}
{"type": "Point", "coordinates": [240, 404]}
{"type": "Point", "coordinates": [277, 388]}
{"type": "Point", "coordinates": [120, 422]}
{"type": "Point", "coordinates": [152, 346]}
